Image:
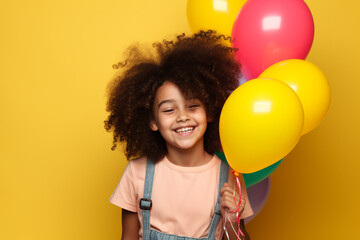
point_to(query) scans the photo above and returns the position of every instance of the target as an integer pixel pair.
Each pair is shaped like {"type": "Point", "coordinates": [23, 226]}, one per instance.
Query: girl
{"type": "Point", "coordinates": [166, 108]}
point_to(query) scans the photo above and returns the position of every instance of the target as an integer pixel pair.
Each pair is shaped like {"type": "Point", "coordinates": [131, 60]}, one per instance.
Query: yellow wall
{"type": "Point", "coordinates": [56, 168]}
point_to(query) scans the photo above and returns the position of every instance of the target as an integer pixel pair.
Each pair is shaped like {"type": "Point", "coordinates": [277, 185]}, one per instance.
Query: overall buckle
{"type": "Point", "coordinates": [145, 204]}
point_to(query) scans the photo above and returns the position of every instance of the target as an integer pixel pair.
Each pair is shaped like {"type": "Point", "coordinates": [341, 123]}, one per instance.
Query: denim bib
{"type": "Point", "coordinates": [146, 204]}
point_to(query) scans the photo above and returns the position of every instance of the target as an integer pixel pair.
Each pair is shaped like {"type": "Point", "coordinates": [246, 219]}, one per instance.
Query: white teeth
{"type": "Point", "coordinates": [184, 130]}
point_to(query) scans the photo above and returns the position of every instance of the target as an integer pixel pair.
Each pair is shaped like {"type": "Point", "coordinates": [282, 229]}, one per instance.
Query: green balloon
{"type": "Point", "coordinates": [255, 177]}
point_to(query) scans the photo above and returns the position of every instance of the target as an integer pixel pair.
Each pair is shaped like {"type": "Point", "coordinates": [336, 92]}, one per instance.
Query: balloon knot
{"type": "Point", "coordinates": [235, 173]}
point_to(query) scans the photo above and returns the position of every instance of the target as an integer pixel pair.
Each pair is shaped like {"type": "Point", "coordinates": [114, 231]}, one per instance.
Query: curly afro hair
{"type": "Point", "coordinates": [202, 66]}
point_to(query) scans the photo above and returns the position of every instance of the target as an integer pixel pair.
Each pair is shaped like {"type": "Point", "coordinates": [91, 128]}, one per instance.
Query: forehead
{"type": "Point", "coordinates": [167, 90]}
{"type": "Point", "coordinates": [170, 90]}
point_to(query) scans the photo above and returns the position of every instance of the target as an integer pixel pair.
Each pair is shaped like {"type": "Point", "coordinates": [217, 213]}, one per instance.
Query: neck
{"type": "Point", "coordinates": [193, 157]}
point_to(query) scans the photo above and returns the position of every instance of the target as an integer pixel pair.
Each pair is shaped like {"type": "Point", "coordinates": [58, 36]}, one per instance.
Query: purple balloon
{"type": "Point", "coordinates": [258, 195]}
{"type": "Point", "coordinates": [242, 80]}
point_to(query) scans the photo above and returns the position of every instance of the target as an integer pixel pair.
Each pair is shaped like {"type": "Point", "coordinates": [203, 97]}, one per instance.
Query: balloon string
{"type": "Point", "coordinates": [239, 187]}
{"type": "Point", "coordinates": [226, 232]}
{"type": "Point", "coordinates": [227, 218]}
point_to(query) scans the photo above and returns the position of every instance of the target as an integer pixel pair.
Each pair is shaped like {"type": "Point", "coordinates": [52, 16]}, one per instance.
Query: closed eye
{"type": "Point", "coordinates": [194, 106]}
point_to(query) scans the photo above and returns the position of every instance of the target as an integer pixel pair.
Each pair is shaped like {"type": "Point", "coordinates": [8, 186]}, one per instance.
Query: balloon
{"type": "Point", "coordinates": [260, 123]}
{"type": "Point", "coordinates": [255, 177]}
{"type": "Point", "coordinates": [258, 195]}
{"type": "Point", "coordinates": [269, 31]}
{"type": "Point", "coordinates": [242, 80]}
{"type": "Point", "coordinates": [217, 15]}
{"type": "Point", "coordinates": [310, 84]}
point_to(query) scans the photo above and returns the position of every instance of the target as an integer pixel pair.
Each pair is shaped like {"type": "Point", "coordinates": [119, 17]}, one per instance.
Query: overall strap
{"type": "Point", "coordinates": [145, 202]}
{"type": "Point", "coordinates": [223, 178]}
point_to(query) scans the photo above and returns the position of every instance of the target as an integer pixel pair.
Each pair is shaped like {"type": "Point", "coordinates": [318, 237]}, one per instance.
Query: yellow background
{"type": "Point", "coordinates": [56, 167]}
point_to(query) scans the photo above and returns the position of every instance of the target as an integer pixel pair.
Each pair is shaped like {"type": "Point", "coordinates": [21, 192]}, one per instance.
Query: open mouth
{"type": "Point", "coordinates": [184, 130]}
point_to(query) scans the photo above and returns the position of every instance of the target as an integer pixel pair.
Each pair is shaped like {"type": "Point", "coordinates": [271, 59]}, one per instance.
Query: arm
{"type": "Point", "coordinates": [130, 225]}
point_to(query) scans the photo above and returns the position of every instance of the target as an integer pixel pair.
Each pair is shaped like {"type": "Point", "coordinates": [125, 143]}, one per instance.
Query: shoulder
{"type": "Point", "coordinates": [217, 161]}
{"type": "Point", "coordinates": [137, 166]}
{"type": "Point", "coordinates": [138, 161]}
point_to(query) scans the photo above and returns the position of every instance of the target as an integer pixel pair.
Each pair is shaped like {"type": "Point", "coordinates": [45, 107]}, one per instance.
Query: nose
{"type": "Point", "coordinates": [183, 116]}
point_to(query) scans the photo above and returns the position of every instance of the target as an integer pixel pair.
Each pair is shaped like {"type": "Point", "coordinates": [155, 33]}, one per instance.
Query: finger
{"type": "Point", "coordinates": [232, 203]}
{"type": "Point", "coordinates": [229, 203]}
{"type": "Point", "coordinates": [225, 188]}
{"type": "Point", "coordinates": [228, 198]}
{"type": "Point", "coordinates": [230, 195]}
{"type": "Point", "coordinates": [229, 191]}
{"type": "Point", "coordinates": [232, 208]}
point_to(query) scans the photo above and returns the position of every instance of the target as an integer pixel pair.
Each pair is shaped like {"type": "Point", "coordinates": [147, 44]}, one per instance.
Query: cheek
{"type": "Point", "coordinates": [202, 116]}
{"type": "Point", "coordinates": [165, 122]}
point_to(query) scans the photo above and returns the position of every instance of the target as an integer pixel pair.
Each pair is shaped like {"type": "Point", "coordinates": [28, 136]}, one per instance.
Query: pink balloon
{"type": "Point", "coordinates": [269, 31]}
{"type": "Point", "coordinates": [258, 195]}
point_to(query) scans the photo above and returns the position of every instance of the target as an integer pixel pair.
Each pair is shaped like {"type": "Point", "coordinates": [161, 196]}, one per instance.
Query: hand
{"type": "Point", "coordinates": [228, 203]}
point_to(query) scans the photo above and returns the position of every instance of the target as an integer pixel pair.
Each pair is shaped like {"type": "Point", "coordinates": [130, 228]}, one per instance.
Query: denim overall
{"type": "Point", "coordinates": [146, 204]}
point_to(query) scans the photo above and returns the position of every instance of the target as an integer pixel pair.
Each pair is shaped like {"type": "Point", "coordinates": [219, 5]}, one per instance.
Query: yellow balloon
{"type": "Point", "coordinates": [217, 15]}
{"type": "Point", "coordinates": [310, 84]}
{"type": "Point", "coordinates": [260, 123]}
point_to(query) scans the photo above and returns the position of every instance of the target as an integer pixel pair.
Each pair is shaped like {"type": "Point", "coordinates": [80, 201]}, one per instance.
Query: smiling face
{"type": "Point", "coordinates": [181, 122]}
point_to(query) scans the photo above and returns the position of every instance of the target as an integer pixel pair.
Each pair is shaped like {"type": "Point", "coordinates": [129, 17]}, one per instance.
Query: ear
{"type": "Point", "coordinates": [153, 125]}
{"type": "Point", "coordinates": [209, 119]}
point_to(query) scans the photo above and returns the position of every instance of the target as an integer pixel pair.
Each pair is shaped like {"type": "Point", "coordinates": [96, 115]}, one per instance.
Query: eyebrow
{"type": "Point", "coordinates": [166, 101]}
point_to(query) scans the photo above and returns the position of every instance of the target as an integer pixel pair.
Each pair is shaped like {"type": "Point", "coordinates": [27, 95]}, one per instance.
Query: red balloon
{"type": "Point", "coordinates": [269, 31]}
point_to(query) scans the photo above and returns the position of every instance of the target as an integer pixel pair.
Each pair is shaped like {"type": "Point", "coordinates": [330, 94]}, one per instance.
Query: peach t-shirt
{"type": "Point", "coordinates": [184, 198]}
